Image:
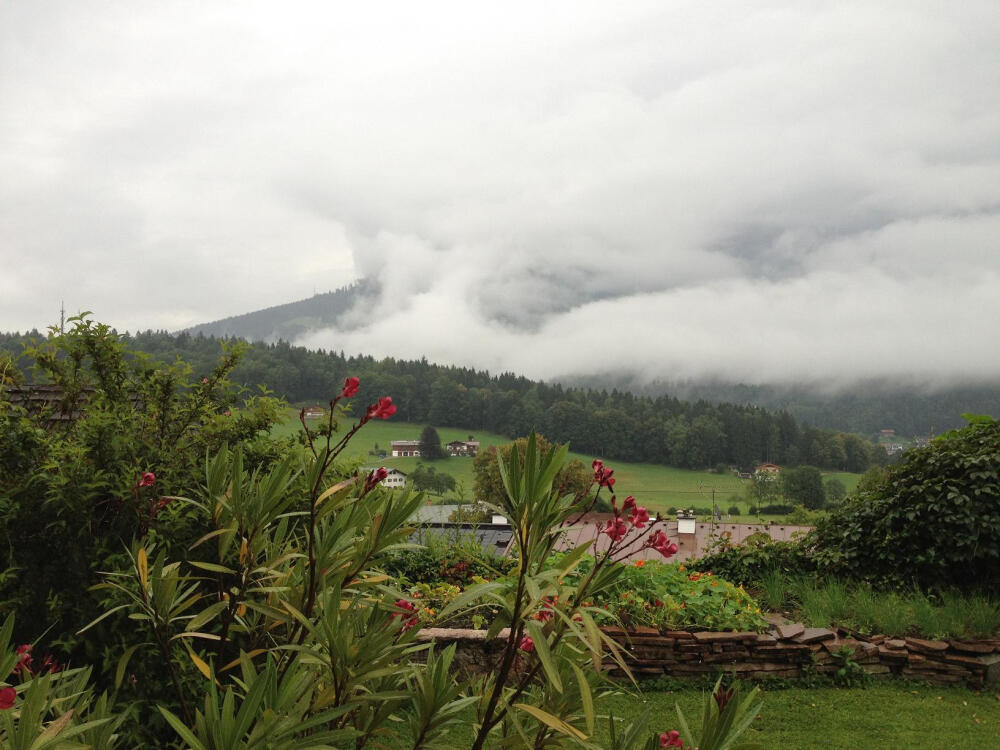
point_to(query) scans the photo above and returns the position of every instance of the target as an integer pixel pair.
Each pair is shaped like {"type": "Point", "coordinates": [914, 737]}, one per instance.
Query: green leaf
{"type": "Point", "coordinates": [534, 629]}
{"type": "Point", "coordinates": [551, 721]}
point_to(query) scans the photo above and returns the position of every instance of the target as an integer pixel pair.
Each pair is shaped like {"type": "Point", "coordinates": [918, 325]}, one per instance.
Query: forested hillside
{"type": "Point", "coordinates": [615, 424]}
{"type": "Point", "coordinates": [863, 407]}
{"type": "Point", "coordinates": [286, 322]}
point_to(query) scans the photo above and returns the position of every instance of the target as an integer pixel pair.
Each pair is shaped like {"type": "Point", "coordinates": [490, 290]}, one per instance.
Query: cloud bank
{"type": "Point", "coordinates": [786, 191]}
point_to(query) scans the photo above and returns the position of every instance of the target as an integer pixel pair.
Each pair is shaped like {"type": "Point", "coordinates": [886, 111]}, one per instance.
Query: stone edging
{"type": "Point", "coordinates": [787, 650]}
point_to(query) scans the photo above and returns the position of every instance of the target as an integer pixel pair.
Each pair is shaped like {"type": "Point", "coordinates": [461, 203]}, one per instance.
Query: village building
{"type": "Point", "coordinates": [395, 479]}
{"type": "Point", "coordinates": [767, 468]}
{"type": "Point", "coordinates": [463, 448]}
{"type": "Point", "coordinates": [405, 448]}
{"type": "Point", "coordinates": [313, 412]}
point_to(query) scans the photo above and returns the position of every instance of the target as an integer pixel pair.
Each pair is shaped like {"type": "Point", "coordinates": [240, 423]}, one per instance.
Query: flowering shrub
{"type": "Point", "coordinates": [256, 612]}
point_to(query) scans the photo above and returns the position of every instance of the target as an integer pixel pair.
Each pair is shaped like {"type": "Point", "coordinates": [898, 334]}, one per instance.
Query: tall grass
{"type": "Point", "coordinates": [832, 603]}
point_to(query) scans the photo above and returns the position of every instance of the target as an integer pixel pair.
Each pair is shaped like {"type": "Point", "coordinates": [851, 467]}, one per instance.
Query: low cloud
{"type": "Point", "coordinates": [790, 191]}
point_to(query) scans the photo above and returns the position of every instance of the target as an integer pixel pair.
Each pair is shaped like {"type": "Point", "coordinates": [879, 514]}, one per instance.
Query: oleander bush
{"type": "Point", "coordinates": [240, 597]}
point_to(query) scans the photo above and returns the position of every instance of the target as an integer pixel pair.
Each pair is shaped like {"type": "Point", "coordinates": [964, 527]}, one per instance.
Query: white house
{"type": "Point", "coordinates": [395, 479]}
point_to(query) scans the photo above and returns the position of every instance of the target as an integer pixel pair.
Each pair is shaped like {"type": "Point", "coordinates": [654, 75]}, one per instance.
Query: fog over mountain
{"type": "Point", "coordinates": [774, 193]}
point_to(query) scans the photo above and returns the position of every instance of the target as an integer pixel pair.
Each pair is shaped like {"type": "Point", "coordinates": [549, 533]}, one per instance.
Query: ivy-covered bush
{"type": "Point", "coordinates": [932, 521]}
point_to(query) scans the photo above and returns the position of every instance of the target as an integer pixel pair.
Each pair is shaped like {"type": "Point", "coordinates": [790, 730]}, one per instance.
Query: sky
{"type": "Point", "coordinates": [757, 192]}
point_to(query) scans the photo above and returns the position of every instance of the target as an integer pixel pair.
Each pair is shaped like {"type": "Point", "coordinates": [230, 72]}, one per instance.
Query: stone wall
{"type": "Point", "coordinates": [787, 650]}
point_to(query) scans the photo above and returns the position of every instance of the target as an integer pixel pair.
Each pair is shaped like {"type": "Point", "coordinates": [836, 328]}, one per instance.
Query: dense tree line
{"type": "Point", "coordinates": [864, 408]}
{"type": "Point", "coordinates": [612, 424]}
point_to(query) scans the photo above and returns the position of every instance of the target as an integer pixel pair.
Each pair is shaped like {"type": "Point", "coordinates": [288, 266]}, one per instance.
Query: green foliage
{"type": "Point", "coordinates": [801, 516]}
{"type": "Point", "coordinates": [488, 487]}
{"type": "Point", "coordinates": [933, 520]}
{"type": "Point", "coordinates": [803, 486]}
{"type": "Point", "coordinates": [455, 559]}
{"type": "Point", "coordinates": [835, 490]}
{"type": "Point", "coordinates": [726, 714]}
{"type": "Point", "coordinates": [669, 597]}
{"type": "Point", "coordinates": [70, 474]}
{"type": "Point", "coordinates": [426, 478]}
{"type": "Point", "coordinates": [749, 562]}
{"type": "Point", "coordinates": [430, 445]}
{"type": "Point", "coordinates": [616, 425]}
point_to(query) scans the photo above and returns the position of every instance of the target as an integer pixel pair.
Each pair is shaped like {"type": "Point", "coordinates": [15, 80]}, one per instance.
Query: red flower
{"type": "Point", "coordinates": [408, 615]}
{"type": "Point", "coordinates": [722, 697]}
{"type": "Point", "coordinates": [7, 696]}
{"type": "Point", "coordinates": [639, 517]}
{"type": "Point", "coordinates": [350, 388]}
{"type": "Point", "coordinates": [375, 477]}
{"type": "Point", "coordinates": [629, 504]}
{"type": "Point", "coordinates": [204, 381]}
{"type": "Point", "coordinates": [148, 479]}
{"type": "Point", "coordinates": [671, 739]}
{"type": "Point", "coordinates": [527, 645]}
{"type": "Point", "coordinates": [603, 476]}
{"type": "Point", "coordinates": [615, 529]}
{"type": "Point", "coordinates": [382, 410]}
{"type": "Point", "coordinates": [23, 666]}
{"type": "Point", "coordinates": [662, 544]}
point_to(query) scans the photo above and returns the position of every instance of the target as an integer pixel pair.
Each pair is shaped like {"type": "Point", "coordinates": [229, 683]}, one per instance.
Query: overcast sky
{"type": "Point", "coordinates": [759, 191]}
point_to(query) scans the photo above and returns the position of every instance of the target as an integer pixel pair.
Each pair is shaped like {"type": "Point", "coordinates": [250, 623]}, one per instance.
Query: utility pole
{"type": "Point", "coordinates": [62, 316]}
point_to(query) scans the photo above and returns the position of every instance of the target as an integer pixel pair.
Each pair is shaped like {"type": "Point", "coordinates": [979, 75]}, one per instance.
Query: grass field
{"type": "Point", "coordinates": [655, 486]}
{"type": "Point", "coordinates": [893, 715]}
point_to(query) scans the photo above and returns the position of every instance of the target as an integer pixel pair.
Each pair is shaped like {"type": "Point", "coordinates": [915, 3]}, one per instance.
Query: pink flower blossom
{"type": "Point", "coordinates": [662, 544]}
{"type": "Point", "coordinates": [671, 739]}
{"type": "Point", "coordinates": [629, 504]}
{"type": "Point", "coordinates": [382, 410]}
{"type": "Point", "coordinates": [615, 529]}
{"type": "Point", "coordinates": [204, 381]}
{"type": "Point", "coordinates": [603, 476]}
{"type": "Point", "coordinates": [148, 479]}
{"type": "Point", "coordinates": [7, 696]}
{"type": "Point", "coordinates": [527, 645]}
{"type": "Point", "coordinates": [350, 388]}
{"type": "Point", "coordinates": [639, 516]}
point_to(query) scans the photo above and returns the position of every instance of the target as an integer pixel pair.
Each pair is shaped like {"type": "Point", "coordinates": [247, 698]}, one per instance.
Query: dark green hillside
{"type": "Point", "coordinates": [614, 425]}
{"type": "Point", "coordinates": [286, 322]}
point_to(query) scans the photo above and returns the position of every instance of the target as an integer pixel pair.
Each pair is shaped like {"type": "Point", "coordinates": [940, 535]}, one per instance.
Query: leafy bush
{"type": "Point", "coordinates": [445, 559]}
{"type": "Point", "coordinates": [88, 473]}
{"type": "Point", "coordinates": [748, 564]}
{"type": "Point", "coordinates": [932, 521]}
{"type": "Point", "coordinates": [668, 597]}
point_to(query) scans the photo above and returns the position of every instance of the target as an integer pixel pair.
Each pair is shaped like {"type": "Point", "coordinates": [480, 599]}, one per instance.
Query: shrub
{"type": "Point", "coordinates": [669, 596]}
{"type": "Point", "coordinates": [88, 474]}
{"type": "Point", "coordinates": [933, 520]}
{"type": "Point", "coordinates": [734, 510]}
{"type": "Point", "coordinates": [750, 562]}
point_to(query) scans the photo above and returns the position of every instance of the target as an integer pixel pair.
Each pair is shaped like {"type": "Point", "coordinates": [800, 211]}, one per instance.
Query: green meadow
{"type": "Point", "coordinates": [655, 486]}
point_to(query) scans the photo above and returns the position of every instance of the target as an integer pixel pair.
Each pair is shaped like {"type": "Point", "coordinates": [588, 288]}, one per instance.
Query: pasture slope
{"type": "Point", "coordinates": [655, 486]}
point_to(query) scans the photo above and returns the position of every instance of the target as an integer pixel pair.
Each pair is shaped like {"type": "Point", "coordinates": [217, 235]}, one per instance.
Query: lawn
{"type": "Point", "coordinates": [893, 715]}
{"type": "Point", "coordinates": [655, 486]}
